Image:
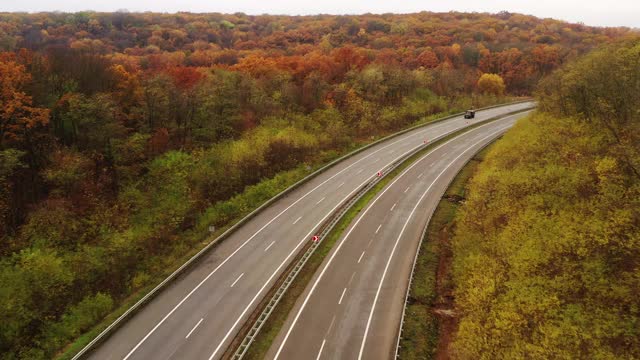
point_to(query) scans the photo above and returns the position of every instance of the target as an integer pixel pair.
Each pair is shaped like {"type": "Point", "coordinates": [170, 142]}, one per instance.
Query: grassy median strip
{"type": "Point", "coordinates": [428, 322]}
{"type": "Point", "coordinates": [274, 323]}
{"type": "Point", "coordinates": [288, 178]}
{"type": "Point", "coordinates": [270, 187]}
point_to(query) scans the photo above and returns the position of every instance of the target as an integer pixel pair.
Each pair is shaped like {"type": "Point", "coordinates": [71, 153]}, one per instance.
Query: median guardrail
{"type": "Point", "coordinates": [248, 333]}
{"type": "Point", "coordinates": [151, 294]}
{"type": "Point", "coordinates": [422, 238]}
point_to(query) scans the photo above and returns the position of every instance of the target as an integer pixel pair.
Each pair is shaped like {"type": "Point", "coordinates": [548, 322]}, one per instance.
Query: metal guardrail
{"type": "Point", "coordinates": [305, 253]}
{"type": "Point", "coordinates": [102, 336]}
{"type": "Point", "coordinates": [422, 238]}
{"type": "Point", "coordinates": [325, 229]}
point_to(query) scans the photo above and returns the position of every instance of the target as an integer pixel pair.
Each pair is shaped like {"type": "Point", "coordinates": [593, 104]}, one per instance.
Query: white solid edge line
{"type": "Point", "coordinates": [306, 237]}
{"type": "Point", "coordinates": [241, 275]}
{"type": "Point", "coordinates": [267, 248]}
{"type": "Point", "coordinates": [321, 347]}
{"type": "Point", "coordinates": [291, 253]}
{"type": "Point", "coordinates": [420, 132]}
{"type": "Point", "coordinates": [315, 284]}
{"type": "Point", "coordinates": [430, 128]}
{"type": "Point", "coordinates": [342, 296]}
{"type": "Point", "coordinates": [194, 328]}
{"type": "Point", "coordinates": [395, 245]}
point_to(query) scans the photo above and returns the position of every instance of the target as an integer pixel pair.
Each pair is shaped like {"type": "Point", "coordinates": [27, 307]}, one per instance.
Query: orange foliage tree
{"type": "Point", "coordinates": [18, 117]}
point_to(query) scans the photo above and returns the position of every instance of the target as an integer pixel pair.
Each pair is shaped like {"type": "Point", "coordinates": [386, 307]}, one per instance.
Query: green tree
{"type": "Point", "coordinates": [603, 87]}
{"type": "Point", "coordinates": [91, 123]}
{"type": "Point", "coordinates": [217, 116]}
{"type": "Point", "coordinates": [157, 97]}
{"type": "Point", "coordinates": [9, 164]}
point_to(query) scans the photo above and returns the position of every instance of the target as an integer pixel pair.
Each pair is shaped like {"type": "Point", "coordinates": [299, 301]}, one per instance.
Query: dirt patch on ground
{"type": "Point", "coordinates": [454, 198]}
{"type": "Point", "coordinates": [432, 323]}
{"type": "Point", "coordinates": [444, 306]}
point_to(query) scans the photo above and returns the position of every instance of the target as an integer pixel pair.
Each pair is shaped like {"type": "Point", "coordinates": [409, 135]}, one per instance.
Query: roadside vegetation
{"type": "Point", "coordinates": [263, 341]}
{"type": "Point", "coordinates": [123, 137]}
{"type": "Point", "coordinates": [429, 317]}
{"type": "Point", "coordinates": [546, 251]}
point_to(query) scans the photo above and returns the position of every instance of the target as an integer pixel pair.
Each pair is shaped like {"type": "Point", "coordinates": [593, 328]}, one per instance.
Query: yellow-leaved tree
{"type": "Point", "coordinates": [547, 245]}
{"type": "Point", "coordinates": [491, 84]}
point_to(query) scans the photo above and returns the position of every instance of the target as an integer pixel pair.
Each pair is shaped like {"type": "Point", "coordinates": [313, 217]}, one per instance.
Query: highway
{"type": "Point", "coordinates": [352, 307]}
{"type": "Point", "coordinates": [197, 316]}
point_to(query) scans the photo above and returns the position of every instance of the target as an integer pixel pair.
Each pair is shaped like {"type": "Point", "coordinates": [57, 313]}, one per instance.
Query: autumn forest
{"type": "Point", "coordinates": [124, 136]}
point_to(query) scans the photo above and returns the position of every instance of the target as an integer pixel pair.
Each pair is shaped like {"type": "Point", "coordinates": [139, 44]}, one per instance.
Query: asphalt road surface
{"type": "Point", "coordinates": [353, 305]}
{"type": "Point", "coordinates": [197, 316]}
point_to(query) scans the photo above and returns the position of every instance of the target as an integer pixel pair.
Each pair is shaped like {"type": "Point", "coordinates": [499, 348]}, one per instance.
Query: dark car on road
{"type": "Point", "coordinates": [470, 114]}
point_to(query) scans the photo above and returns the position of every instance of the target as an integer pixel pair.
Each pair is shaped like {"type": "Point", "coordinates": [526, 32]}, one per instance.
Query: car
{"type": "Point", "coordinates": [470, 114]}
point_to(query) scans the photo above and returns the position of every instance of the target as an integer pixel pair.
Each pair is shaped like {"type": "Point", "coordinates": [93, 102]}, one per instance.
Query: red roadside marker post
{"type": "Point", "coordinates": [379, 173]}
{"type": "Point", "coordinates": [315, 238]}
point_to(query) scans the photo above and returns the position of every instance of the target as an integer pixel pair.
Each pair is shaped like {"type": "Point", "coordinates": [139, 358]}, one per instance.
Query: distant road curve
{"type": "Point", "coordinates": [197, 316]}
{"type": "Point", "coordinates": [352, 308]}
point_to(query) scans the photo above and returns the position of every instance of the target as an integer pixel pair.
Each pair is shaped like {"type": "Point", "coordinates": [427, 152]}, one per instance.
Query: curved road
{"type": "Point", "coordinates": [197, 316]}
{"type": "Point", "coordinates": [353, 305]}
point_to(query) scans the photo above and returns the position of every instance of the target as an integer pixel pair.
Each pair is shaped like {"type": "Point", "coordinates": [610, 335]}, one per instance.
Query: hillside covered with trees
{"type": "Point", "coordinates": [123, 137]}
{"type": "Point", "coordinates": [547, 247]}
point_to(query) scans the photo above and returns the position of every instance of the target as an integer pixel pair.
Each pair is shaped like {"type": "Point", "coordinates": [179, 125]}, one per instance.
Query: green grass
{"type": "Point", "coordinates": [171, 264]}
{"type": "Point", "coordinates": [273, 325]}
{"type": "Point", "coordinates": [421, 329]}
